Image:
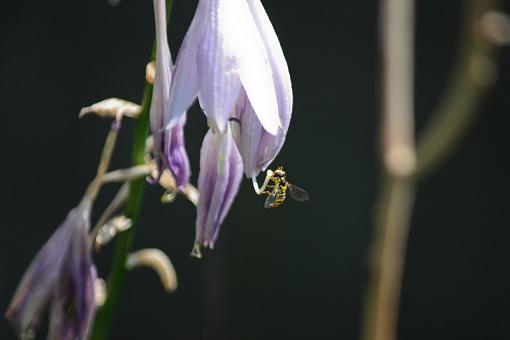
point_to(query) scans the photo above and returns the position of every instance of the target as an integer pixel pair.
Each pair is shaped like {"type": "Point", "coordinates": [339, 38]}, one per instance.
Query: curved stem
{"type": "Point", "coordinates": [473, 75]}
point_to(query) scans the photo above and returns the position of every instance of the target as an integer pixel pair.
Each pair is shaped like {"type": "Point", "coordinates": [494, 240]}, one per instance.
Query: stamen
{"type": "Point", "coordinates": [269, 174]}
{"type": "Point", "coordinates": [255, 185]}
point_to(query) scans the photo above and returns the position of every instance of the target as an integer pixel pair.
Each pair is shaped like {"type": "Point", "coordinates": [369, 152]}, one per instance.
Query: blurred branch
{"type": "Point", "coordinates": [396, 199]}
{"type": "Point", "coordinates": [397, 17]}
{"type": "Point", "coordinates": [475, 72]}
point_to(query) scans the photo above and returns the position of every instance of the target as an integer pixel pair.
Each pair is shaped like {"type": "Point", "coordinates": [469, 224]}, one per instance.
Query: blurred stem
{"type": "Point", "coordinates": [118, 272]}
{"type": "Point", "coordinates": [392, 219]}
{"type": "Point", "coordinates": [396, 198]}
{"type": "Point", "coordinates": [475, 72]}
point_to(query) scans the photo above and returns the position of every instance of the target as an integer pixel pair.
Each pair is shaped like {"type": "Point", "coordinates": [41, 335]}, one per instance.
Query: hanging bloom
{"type": "Point", "coordinates": [258, 148]}
{"type": "Point", "coordinates": [232, 61]}
{"type": "Point", "coordinates": [221, 171]}
{"type": "Point", "coordinates": [62, 275]}
{"type": "Point", "coordinates": [222, 55]}
{"type": "Point", "coordinates": [169, 147]}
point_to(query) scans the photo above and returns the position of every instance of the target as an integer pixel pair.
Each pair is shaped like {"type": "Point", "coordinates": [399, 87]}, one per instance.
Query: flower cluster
{"type": "Point", "coordinates": [232, 61]}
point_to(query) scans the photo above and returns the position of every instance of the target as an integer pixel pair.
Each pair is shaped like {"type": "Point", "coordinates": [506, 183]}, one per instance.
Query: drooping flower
{"type": "Point", "coordinates": [221, 171]}
{"type": "Point", "coordinates": [61, 275]}
{"type": "Point", "coordinates": [258, 148]}
{"type": "Point", "coordinates": [169, 146]}
{"type": "Point", "coordinates": [232, 61]}
{"type": "Point", "coordinates": [223, 55]}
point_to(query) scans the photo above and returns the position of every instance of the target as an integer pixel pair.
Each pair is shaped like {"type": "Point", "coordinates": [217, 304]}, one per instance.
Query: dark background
{"type": "Point", "coordinates": [296, 272]}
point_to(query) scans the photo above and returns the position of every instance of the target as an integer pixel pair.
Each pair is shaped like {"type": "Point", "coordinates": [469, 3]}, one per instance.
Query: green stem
{"type": "Point", "coordinates": [118, 273]}
{"type": "Point", "coordinates": [105, 314]}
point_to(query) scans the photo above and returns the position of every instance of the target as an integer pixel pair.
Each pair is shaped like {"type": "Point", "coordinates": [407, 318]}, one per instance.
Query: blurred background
{"type": "Point", "coordinates": [297, 272]}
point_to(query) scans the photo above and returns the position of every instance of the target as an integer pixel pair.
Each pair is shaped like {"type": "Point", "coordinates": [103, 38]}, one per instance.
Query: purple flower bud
{"type": "Point", "coordinates": [221, 171]}
{"type": "Point", "coordinates": [176, 155]}
{"type": "Point", "coordinates": [169, 147]}
{"type": "Point", "coordinates": [223, 55]}
{"type": "Point", "coordinates": [62, 274]}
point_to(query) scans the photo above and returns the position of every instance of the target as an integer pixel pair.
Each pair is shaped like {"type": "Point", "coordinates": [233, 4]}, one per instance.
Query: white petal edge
{"type": "Point", "coordinates": [255, 71]}
{"type": "Point", "coordinates": [280, 69]}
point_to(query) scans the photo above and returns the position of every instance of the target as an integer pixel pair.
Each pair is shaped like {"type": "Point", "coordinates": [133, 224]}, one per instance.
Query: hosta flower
{"type": "Point", "coordinates": [62, 275]}
{"type": "Point", "coordinates": [232, 61]}
{"type": "Point", "coordinates": [227, 53]}
{"type": "Point", "coordinates": [169, 147]}
{"type": "Point", "coordinates": [221, 171]}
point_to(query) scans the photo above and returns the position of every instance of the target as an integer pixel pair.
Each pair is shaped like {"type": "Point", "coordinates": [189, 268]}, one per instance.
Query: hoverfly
{"type": "Point", "coordinates": [280, 186]}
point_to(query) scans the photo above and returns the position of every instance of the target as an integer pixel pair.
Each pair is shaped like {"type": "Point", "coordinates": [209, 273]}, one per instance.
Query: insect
{"type": "Point", "coordinates": [280, 186]}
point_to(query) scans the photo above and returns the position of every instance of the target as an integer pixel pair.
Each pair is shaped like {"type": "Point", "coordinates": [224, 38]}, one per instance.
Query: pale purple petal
{"type": "Point", "coordinates": [218, 182]}
{"type": "Point", "coordinates": [176, 155]}
{"type": "Point", "coordinates": [38, 285]}
{"type": "Point", "coordinates": [258, 147]}
{"type": "Point", "coordinates": [73, 305]}
{"type": "Point", "coordinates": [279, 68]}
{"type": "Point", "coordinates": [162, 81]}
{"type": "Point", "coordinates": [184, 89]}
{"type": "Point", "coordinates": [169, 146]}
{"type": "Point", "coordinates": [246, 42]}
{"type": "Point", "coordinates": [218, 62]}
{"type": "Point", "coordinates": [248, 133]}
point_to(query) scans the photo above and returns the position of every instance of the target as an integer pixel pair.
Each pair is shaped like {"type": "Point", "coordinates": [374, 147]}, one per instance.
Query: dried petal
{"type": "Point", "coordinates": [150, 72]}
{"type": "Point", "coordinates": [99, 292]}
{"type": "Point", "coordinates": [112, 108]}
{"type": "Point", "coordinates": [159, 262]}
{"type": "Point", "coordinates": [109, 230]}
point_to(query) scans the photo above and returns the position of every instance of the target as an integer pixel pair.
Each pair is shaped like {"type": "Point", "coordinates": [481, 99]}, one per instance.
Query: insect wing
{"type": "Point", "coordinates": [272, 197]}
{"type": "Point", "coordinates": [298, 194]}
